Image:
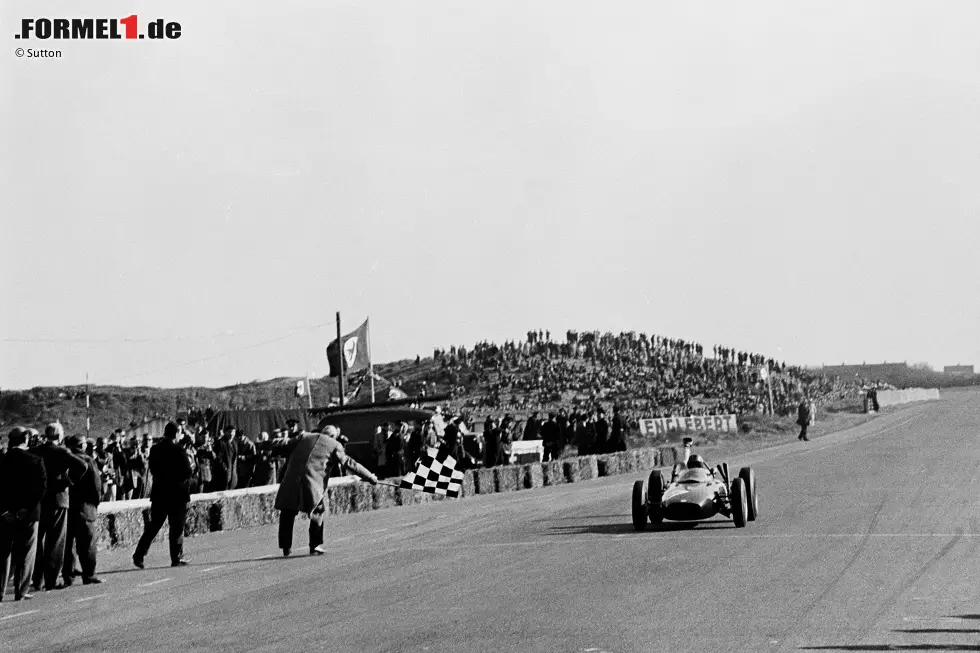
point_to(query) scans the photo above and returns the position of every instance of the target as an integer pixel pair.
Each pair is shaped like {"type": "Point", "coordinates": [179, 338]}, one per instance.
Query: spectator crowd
{"type": "Point", "coordinates": [648, 376]}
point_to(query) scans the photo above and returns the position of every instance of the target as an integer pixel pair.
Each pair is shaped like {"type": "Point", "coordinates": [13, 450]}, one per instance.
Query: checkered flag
{"type": "Point", "coordinates": [435, 475]}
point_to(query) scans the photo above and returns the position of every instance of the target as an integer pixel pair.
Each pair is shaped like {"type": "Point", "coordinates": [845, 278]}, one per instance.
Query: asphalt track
{"type": "Point", "coordinates": [869, 540]}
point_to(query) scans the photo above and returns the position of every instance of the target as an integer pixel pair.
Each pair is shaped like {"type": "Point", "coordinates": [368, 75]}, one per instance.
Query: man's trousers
{"type": "Point", "coordinates": [286, 519]}
{"type": "Point", "coordinates": [18, 548]}
{"type": "Point", "coordinates": [160, 512]}
{"type": "Point", "coordinates": [51, 533]}
{"type": "Point", "coordinates": [81, 536]}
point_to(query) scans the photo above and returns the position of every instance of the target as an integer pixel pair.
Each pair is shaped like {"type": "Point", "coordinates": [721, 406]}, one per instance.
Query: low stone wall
{"type": "Point", "coordinates": [121, 523]}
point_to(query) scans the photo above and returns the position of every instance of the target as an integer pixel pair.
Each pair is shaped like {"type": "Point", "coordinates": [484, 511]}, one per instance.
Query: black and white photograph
{"type": "Point", "coordinates": [538, 326]}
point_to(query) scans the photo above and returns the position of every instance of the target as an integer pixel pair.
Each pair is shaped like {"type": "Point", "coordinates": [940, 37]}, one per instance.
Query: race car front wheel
{"type": "Point", "coordinates": [747, 474]}
{"type": "Point", "coordinates": [655, 493]}
{"type": "Point", "coordinates": [639, 507]}
{"type": "Point", "coordinates": [740, 503]}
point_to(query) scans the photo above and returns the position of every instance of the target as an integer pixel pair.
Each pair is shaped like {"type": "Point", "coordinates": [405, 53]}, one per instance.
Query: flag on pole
{"type": "Point", "coordinates": [301, 388]}
{"type": "Point", "coordinates": [435, 475]}
{"type": "Point", "coordinates": [355, 351]}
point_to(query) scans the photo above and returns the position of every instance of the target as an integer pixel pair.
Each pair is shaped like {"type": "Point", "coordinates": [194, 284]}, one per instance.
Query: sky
{"type": "Point", "coordinates": [798, 179]}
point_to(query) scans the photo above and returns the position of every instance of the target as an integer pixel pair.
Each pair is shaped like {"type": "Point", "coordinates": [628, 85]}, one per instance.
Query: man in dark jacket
{"type": "Point", "coordinates": [550, 436]}
{"type": "Point", "coordinates": [169, 497]}
{"type": "Point", "coordinates": [22, 484]}
{"type": "Point", "coordinates": [803, 418]}
{"type": "Point", "coordinates": [62, 470]}
{"type": "Point", "coordinates": [84, 498]}
{"type": "Point", "coordinates": [224, 472]}
{"type": "Point", "coordinates": [601, 427]}
{"type": "Point", "coordinates": [617, 440]}
{"type": "Point", "coordinates": [565, 429]}
{"type": "Point", "coordinates": [532, 427]}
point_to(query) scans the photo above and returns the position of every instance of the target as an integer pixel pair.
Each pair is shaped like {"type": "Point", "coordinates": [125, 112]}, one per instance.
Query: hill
{"type": "Point", "coordinates": [645, 375]}
{"type": "Point", "coordinates": [112, 407]}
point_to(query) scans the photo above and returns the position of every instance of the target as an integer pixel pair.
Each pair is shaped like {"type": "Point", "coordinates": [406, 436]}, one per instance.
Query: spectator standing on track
{"type": "Point", "coordinates": [310, 457]}
{"type": "Point", "coordinates": [84, 498]}
{"type": "Point", "coordinates": [62, 469]}
{"type": "Point", "coordinates": [803, 418]}
{"type": "Point", "coordinates": [169, 497]}
{"type": "Point", "coordinates": [22, 485]}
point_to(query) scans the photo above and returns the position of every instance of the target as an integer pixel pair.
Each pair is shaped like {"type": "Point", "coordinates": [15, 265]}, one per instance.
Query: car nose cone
{"type": "Point", "coordinates": [696, 503]}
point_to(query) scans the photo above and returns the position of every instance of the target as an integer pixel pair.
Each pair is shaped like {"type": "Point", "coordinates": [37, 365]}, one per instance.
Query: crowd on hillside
{"type": "Point", "coordinates": [650, 375]}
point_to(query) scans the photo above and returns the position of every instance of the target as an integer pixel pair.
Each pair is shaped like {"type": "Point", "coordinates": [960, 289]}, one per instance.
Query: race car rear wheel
{"type": "Point", "coordinates": [655, 493]}
{"type": "Point", "coordinates": [639, 507]}
{"type": "Point", "coordinates": [740, 504]}
{"type": "Point", "coordinates": [747, 474]}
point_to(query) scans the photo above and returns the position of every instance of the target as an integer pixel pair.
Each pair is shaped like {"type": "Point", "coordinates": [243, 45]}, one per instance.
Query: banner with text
{"type": "Point", "coordinates": [663, 425]}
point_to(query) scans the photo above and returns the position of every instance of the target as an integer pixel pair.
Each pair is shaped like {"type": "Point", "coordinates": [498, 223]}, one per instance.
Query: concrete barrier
{"type": "Point", "coordinates": [121, 523]}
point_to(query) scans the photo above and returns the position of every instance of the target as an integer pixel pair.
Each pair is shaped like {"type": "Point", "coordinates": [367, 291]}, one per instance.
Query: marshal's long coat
{"type": "Point", "coordinates": [310, 458]}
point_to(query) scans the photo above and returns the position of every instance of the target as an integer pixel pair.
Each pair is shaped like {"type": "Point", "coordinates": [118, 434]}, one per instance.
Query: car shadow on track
{"type": "Point", "coordinates": [627, 527]}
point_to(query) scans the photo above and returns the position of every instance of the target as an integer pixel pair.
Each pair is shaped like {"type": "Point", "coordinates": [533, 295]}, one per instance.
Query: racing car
{"type": "Point", "coordinates": [694, 492]}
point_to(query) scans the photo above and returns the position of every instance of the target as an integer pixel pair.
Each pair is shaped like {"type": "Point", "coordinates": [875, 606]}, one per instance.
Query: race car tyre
{"type": "Point", "coordinates": [740, 504]}
{"type": "Point", "coordinates": [655, 492]}
{"type": "Point", "coordinates": [747, 474]}
{"type": "Point", "coordinates": [639, 507]}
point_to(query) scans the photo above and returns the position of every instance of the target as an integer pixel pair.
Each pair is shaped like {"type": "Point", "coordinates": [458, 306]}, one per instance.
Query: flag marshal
{"type": "Point", "coordinates": [354, 349]}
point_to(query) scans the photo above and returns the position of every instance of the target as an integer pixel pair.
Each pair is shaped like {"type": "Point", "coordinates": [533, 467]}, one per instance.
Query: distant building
{"type": "Point", "coordinates": [958, 370]}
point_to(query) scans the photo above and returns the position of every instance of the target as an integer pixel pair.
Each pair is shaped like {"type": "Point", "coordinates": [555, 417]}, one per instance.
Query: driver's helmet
{"type": "Point", "coordinates": [696, 462]}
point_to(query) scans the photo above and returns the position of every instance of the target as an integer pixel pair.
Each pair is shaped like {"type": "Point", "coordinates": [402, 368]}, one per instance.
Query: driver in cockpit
{"type": "Point", "coordinates": [694, 461]}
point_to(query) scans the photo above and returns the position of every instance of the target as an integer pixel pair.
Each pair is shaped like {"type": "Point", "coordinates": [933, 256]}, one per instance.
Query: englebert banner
{"type": "Point", "coordinates": [662, 425]}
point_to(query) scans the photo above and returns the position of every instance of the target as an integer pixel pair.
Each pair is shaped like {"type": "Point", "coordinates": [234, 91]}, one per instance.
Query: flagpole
{"type": "Point", "coordinates": [340, 357]}
{"type": "Point", "coordinates": [309, 389]}
{"type": "Point", "coordinates": [88, 421]}
{"type": "Point", "coordinates": [370, 358]}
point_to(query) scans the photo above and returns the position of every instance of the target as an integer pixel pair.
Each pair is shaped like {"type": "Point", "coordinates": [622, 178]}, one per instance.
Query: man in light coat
{"type": "Point", "coordinates": [310, 457]}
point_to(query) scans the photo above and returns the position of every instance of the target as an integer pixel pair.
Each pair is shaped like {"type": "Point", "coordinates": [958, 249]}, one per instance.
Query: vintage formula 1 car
{"type": "Point", "coordinates": [694, 492]}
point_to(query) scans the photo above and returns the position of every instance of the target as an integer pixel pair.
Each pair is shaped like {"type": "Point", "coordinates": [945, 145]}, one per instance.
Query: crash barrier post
{"type": "Point", "coordinates": [121, 523]}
